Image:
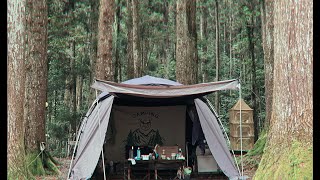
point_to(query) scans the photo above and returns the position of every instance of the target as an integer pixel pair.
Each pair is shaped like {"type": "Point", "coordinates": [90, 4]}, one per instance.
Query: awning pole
{"type": "Point", "coordinates": [104, 170]}
{"type": "Point", "coordinates": [225, 133]}
{"type": "Point", "coordinates": [240, 129]}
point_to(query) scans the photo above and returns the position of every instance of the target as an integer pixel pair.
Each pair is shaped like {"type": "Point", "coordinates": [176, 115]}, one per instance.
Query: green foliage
{"type": "Point", "coordinates": [76, 21]}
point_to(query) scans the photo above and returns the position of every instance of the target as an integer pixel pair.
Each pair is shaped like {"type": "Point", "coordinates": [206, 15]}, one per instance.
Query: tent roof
{"type": "Point", "coordinates": [171, 91]}
{"type": "Point", "coordinates": [150, 80]}
{"type": "Point", "coordinates": [244, 106]}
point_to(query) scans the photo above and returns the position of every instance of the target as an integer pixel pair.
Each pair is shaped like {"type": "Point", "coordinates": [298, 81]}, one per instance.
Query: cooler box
{"type": "Point", "coordinates": [206, 164]}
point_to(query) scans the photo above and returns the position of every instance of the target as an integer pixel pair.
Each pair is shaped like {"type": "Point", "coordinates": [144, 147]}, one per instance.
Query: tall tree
{"type": "Point", "coordinates": [16, 89]}
{"type": "Point", "coordinates": [289, 149]}
{"type": "Point", "coordinates": [137, 60]}
{"type": "Point", "coordinates": [104, 65]}
{"type": "Point", "coordinates": [117, 65]}
{"type": "Point", "coordinates": [36, 85]}
{"type": "Point", "coordinates": [36, 74]}
{"type": "Point", "coordinates": [203, 37]}
{"type": "Point", "coordinates": [268, 50]}
{"type": "Point", "coordinates": [186, 51]}
{"type": "Point", "coordinates": [217, 22]}
{"type": "Point", "coordinates": [130, 66]}
{"type": "Point", "coordinates": [250, 24]}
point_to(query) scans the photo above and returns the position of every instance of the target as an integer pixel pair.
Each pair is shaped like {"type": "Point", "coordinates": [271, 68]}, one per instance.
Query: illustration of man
{"type": "Point", "coordinates": [144, 135]}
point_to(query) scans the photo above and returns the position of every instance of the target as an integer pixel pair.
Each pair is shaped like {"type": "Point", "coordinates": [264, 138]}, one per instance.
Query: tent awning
{"type": "Point", "coordinates": [164, 91]}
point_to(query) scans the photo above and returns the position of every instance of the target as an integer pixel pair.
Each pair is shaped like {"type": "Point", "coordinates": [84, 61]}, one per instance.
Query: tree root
{"type": "Point", "coordinates": [42, 163]}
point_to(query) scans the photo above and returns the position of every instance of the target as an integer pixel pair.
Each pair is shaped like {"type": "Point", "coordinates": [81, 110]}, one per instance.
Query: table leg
{"type": "Point", "coordinates": [155, 173]}
{"type": "Point", "coordinates": [129, 172]}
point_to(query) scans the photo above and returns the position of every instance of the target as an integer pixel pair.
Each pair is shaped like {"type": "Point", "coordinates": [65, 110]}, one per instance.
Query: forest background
{"type": "Point", "coordinates": [57, 49]}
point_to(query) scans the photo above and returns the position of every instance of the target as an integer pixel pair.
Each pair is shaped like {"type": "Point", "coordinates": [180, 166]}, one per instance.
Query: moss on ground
{"type": "Point", "coordinates": [294, 163]}
{"type": "Point", "coordinates": [35, 163]}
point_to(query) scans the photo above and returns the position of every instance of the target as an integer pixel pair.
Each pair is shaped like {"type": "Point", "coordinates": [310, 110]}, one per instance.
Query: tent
{"type": "Point", "coordinates": [166, 97]}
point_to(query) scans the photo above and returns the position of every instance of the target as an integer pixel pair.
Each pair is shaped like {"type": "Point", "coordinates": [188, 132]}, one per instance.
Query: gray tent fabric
{"type": "Point", "coordinates": [215, 140]}
{"type": "Point", "coordinates": [91, 140]}
{"type": "Point", "coordinates": [92, 134]}
{"type": "Point", "coordinates": [164, 91]}
{"type": "Point", "coordinates": [150, 80]}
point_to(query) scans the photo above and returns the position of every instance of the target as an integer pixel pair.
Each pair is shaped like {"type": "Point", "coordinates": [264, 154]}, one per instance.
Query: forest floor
{"type": "Point", "coordinates": [248, 169]}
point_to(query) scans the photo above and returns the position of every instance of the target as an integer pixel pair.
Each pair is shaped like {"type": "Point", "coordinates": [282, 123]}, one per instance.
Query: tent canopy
{"type": "Point", "coordinates": [168, 91]}
{"type": "Point", "coordinates": [149, 91]}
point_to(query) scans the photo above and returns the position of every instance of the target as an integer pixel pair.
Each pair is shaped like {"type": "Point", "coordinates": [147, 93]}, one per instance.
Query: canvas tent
{"type": "Point", "coordinates": [149, 92]}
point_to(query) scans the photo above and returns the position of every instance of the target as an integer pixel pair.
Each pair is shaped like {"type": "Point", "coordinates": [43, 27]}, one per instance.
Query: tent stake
{"type": "Point", "coordinates": [225, 133]}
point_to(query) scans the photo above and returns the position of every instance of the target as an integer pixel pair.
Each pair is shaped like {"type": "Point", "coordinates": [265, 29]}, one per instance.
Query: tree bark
{"type": "Point", "coordinates": [186, 52]}
{"type": "Point", "coordinates": [36, 74]}
{"type": "Point", "coordinates": [137, 60]}
{"type": "Point", "coordinates": [16, 89]}
{"type": "Point", "coordinates": [104, 65]}
{"type": "Point", "coordinates": [289, 147]}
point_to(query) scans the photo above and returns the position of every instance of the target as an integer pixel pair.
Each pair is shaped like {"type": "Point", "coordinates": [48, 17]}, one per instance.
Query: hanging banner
{"type": "Point", "coordinates": [144, 126]}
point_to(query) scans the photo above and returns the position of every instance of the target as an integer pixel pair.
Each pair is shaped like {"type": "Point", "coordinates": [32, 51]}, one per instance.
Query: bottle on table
{"type": "Point", "coordinates": [138, 153]}
{"type": "Point", "coordinates": [131, 153]}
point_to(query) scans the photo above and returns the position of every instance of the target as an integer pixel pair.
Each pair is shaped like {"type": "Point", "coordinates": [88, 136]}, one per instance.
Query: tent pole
{"type": "Point", "coordinates": [225, 133]}
{"type": "Point", "coordinates": [75, 146]}
{"type": "Point", "coordinates": [240, 129]}
{"type": "Point", "coordinates": [104, 170]}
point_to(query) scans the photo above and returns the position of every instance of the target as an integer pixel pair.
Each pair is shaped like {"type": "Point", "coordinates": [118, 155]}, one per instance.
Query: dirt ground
{"type": "Point", "coordinates": [65, 163]}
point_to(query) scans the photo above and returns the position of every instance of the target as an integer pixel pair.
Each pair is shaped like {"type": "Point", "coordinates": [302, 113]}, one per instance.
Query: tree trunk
{"type": "Point", "coordinates": [117, 67]}
{"type": "Point", "coordinates": [268, 50]}
{"type": "Point", "coordinates": [254, 92]}
{"type": "Point", "coordinates": [186, 52]}
{"type": "Point", "coordinates": [137, 61]}
{"type": "Point", "coordinates": [36, 74]}
{"type": "Point", "coordinates": [203, 37]}
{"type": "Point", "coordinates": [16, 89]}
{"type": "Point", "coordinates": [93, 47]}
{"type": "Point", "coordinates": [74, 88]}
{"type": "Point", "coordinates": [130, 66]}
{"type": "Point", "coordinates": [217, 98]}
{"type": "Point", "coordinates": [167, 39]}
{"type": "Point", "coordinates": [289, 150]}
{"type": "Point", "coordinates": [36, 86]}
{"type": "Point", "coordinates": [79, 89]}
{"type": "Point", "coordinates": [104, 65]}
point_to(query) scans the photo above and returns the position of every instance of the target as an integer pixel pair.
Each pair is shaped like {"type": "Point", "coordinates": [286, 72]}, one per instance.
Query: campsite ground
{"type": "Point", "coordinates": [249, 171]}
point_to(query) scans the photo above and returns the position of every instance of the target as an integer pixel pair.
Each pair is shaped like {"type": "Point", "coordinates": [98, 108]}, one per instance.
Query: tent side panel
{"type": "Point", "coordinates": [91, 141]}
{"type": "Point", "coordinates": [215, 140]}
